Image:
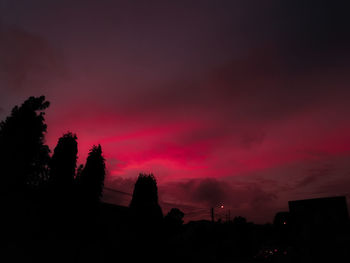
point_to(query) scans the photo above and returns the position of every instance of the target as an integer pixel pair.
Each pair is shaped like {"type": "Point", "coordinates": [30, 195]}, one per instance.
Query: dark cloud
{"type": "Point", "coordinates": [207, 191]}
{"type": "Point", "coordinates": [260, 88]}
{"type": "Point", "coordinates": [336, 186]}
{"type": "Point", "coordinates": [28, 61]}
{"type": "Point", "coordinates": [316, 174]}
{"type": "Point", "coordinates": [197, 196]}
{"type": "Point", "coordinates": [241, 197]}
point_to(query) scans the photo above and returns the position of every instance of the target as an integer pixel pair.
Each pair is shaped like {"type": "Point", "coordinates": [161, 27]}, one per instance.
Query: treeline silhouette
{"type": "Point", "coordinates": [46, 197]}
{"type": "Point", "coordinates": [51, 211]}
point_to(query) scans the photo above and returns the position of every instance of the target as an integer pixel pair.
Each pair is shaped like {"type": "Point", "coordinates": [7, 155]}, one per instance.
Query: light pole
{"type": "Point", "coordinates": [212, 212]}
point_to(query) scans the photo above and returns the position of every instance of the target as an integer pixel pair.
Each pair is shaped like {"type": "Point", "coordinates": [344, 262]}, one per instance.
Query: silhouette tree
{"type": "Point", "coordinates": [174, 219]}
{"type": "Point", "coordinates": [63, 162]}
{"type": "Point", "coordinates": [23, 154]}
{"type": "Point", "coordinates": [175, 216]}
{"type": "Point", "coordinates": [144, 203]}
{"type": "Point", "coordinates": [91, 178]}
{"type": "Point", "coordinates": [60, 199]}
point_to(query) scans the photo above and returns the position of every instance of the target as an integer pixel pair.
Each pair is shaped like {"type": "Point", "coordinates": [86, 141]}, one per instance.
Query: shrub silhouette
{"type": "Point", "coordinates": [174, 221]}
{"type": "Point", "coordinates": [144, 203]}
{"type": "Point", "coordinates": [23, 154]}
{"type": "Point", "coordinates": [174, 217]}
{"type": "Point", "coordinates": [91, 177]}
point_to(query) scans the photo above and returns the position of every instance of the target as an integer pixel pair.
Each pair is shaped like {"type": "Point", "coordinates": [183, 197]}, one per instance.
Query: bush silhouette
{"type": "Point", "coordinates": [91, 177]}
{"type": "Point", "coordinates": [144, 203]}
{"type": "Point", "coordinates": [174, 221]}
{"type": "Point", "coordinates": [175, 217]}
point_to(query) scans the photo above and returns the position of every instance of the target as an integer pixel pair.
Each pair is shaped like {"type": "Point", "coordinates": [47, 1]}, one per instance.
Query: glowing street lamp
{"type": "Point", "coordinates": [212, 212]}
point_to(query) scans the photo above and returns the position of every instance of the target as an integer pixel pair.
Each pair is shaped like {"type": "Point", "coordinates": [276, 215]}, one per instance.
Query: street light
{"type": "Point", "coordinates": [212, 212]}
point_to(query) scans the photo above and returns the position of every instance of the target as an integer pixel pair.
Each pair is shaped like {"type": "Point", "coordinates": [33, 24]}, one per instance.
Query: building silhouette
{"type": "Point", "coordinates": [319, 212]}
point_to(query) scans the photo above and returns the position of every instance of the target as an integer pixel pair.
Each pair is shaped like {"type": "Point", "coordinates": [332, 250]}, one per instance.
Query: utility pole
{"type": "Point", "coordinates": [212, 214]}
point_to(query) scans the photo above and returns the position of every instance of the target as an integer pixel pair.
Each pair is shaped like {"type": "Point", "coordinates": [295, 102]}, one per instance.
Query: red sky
{"type": "Point", "coordinates": [240, 103]}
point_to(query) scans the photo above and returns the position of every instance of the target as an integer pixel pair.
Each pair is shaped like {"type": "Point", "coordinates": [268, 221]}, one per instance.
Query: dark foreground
{"type": "Point", "coordinates": [108, 233]}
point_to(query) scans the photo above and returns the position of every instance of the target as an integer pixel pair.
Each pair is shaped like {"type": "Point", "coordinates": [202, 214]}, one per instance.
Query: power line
{"type": "Point", "coordinates": [201, 209]}
{"type": "Point", "coordinates": [117, 191]}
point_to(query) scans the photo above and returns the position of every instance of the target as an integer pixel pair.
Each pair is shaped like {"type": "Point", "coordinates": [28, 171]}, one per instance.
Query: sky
{"type": "Point", "coordinates": [237, 103]}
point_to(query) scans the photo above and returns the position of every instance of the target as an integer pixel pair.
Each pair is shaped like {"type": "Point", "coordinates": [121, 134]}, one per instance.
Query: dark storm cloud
{"type": "Point", "coordinates": [214, 192]}
{"type": "Point", "coordinates": [194, 196]}
{"type": "Point", "coordinates": [207, 191]}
